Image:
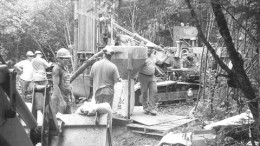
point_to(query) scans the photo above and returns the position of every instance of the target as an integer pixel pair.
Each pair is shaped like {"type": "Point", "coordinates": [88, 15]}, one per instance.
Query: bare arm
{"type": "Point", "coordinates": [161, 61]}
{"type": "Point", "coordinates": [56, 80]}
{"type": "Point", "coordinates": [18, 67]}
{"type": "Point", "coordinates": [46, 64]}
{"type": "Point", "coordinates": [116, 76]}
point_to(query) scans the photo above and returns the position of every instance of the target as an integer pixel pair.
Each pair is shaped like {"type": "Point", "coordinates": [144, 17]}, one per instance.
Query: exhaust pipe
{"type": "Point", "coordinates": [178, 53]}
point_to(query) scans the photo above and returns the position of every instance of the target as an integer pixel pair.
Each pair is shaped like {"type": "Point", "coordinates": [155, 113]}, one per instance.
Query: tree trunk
{"type": "Point", "coordinates": [238, 73]}
{"type": "Point", "coordinates": [258, 45]}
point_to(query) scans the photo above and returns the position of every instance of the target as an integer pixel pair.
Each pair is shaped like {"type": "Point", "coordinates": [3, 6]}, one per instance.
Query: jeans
{"type": "Point", "coordinates": [148, 86]}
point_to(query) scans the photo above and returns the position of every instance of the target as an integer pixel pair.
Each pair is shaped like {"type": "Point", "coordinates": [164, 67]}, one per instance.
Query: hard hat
{"type": "Point", "coordinates": [150, 45]}
{"type": "Point", "coordinates": [38, 52]}
{"type": "Point", "coordinates": [108, 50]}
{"type": "Point", "coordinates": [29, 53]}
{"type": "Point", "coordinates": [63, 53]}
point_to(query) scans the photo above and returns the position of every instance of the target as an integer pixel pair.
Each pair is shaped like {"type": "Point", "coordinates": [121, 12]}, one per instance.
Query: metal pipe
{"type": "Point", "coordinates": [130, 68]}
{"type": "Point", "coordinates": [135, 35]}
{"type": "Point", "coordinates": [178, 53]}
{"type": "Point", "coordinates": [87, 63]}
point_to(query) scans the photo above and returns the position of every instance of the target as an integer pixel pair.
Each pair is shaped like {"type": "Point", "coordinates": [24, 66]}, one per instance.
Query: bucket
{"type": "Point", "coordinates": [81, 86]}
{"type": "Point", "coordinates": [120, 59]}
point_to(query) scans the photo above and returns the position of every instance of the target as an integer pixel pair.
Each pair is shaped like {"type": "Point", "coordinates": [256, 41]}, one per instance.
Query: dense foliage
{"type": "Point", "coordinates": [44, 25]}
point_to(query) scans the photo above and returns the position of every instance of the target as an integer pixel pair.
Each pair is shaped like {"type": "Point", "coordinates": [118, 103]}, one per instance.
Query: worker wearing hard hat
{"type": "Point", "coordinates": [61, 86]}
{"type": "Point", "coordinates": [103, 76]}
{"type": "Point", "coordinates": [25, 68]}
{"type": "Point", "coordinates": [148, 81]}
{"type": "Point", "coordinates": [39, 69]}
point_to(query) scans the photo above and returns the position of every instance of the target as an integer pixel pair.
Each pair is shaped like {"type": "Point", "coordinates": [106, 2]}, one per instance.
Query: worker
{"type": "Point", "coordinates": [103, 76]}
{"type": "Point", "coordinates": [25, 68]}
{"type": "Point", "coordinates": [148, 81]}
{"type": "Point", "coordinates": [61, 96]}
{"type": "Point", "coordinates": [187, 61]}
{"type": "Point", "coordinates": [39, 69]}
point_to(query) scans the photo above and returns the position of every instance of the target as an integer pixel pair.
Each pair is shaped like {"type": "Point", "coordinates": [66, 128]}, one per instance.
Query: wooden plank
{"type": "Point", "coordinates": [161, 129]}
{"type": "Point", "coordinates": [120, 121]}
{"type": "Point", "coordinates": [156, 127]}
{"type": "Point", "coordinates": [140, 117]}
{"type": "Point", "coordinates": [149, 133]}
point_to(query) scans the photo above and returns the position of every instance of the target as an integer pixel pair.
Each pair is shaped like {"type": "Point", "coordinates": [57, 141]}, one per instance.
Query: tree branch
{"type": "Point", "coordinates": [240, 25]}
{"type": "Point", "coordinates": [224, 31]}
{"type": "Point", "coordinates": [203, 38]}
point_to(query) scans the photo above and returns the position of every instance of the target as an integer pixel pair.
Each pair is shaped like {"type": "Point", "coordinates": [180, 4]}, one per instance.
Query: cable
{"type": "Point", "coordinates": [84, 83]}
{"type": "Point", "coordinates": [2, 60]}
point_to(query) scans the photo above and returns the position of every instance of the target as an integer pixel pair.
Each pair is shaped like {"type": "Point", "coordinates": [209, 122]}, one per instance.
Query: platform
{"type": "Point", "coordinates": [156, 125]}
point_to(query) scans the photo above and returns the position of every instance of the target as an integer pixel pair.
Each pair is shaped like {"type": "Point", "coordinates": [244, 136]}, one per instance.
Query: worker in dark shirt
{"type": "Point", "coordinates": [61, 86]}
{"type": "Point", "coordinates": [103, 75]}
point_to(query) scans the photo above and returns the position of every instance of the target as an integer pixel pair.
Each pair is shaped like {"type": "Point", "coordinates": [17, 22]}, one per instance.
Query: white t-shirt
{"type": "Point", "coordinates": [27, 67]}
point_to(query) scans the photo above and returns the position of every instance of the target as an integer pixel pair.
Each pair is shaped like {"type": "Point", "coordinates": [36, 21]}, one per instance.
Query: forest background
{"type": "Point", "coordinates": [47, 25]}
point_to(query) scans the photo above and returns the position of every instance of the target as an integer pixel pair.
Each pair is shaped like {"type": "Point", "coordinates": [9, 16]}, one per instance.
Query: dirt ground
{"type": "Point", "coordinates": [124, 137]}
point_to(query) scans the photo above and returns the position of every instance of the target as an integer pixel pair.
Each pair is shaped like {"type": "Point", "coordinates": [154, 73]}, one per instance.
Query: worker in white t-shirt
{"type": "Point", "coordinates": [25, 68]}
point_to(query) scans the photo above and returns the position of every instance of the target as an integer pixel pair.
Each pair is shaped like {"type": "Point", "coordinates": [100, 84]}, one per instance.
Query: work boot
{"type": "Point", "coordinates": [150, 111]}
{"type": "Point", "coordinates": [145, 106]}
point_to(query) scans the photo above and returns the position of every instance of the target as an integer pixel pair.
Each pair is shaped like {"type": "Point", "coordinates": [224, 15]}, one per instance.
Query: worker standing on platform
{"type": "Point", "coordinates": [39, 69]}
{"type": "Point", "coordinates": [148, 81]}
{"type": "Point", "coordinates": [25, 68]}
{"type": "Point", "coordinates": [61, 96]}
{"type": "Point", "coordinates": [103, 76]}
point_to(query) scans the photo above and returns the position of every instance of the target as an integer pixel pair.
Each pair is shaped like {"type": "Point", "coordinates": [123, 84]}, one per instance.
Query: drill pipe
{"type": "Point", "coordinates": [87, 63]}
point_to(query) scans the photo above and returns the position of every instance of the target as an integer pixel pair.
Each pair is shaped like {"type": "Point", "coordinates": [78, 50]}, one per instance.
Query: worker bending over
{"type": "Point", "coordinates": [148, 81]}
{"type": "Point", "coordinates": [103, 76]}
{"type": "Point", "coordinates": [39, 69]}
{"type": "Point", "coordinates": [61, 85]}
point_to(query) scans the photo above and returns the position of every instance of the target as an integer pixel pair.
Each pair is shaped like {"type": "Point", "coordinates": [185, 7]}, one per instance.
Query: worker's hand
{"type": "Point", "coordinates": [82, 99]}
{"type": "Point", "coordinates": [63, 105]}
{"type": "Point", "coordinates": [19, 70]}
{"type": "Point", "coordinates": [72, 98]}
{"type": "Point", "coordinates": [167, 53]}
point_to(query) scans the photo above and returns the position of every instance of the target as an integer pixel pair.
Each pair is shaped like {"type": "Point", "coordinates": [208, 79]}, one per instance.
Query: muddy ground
{"type": "Point", "coordinates": [124, 137]}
